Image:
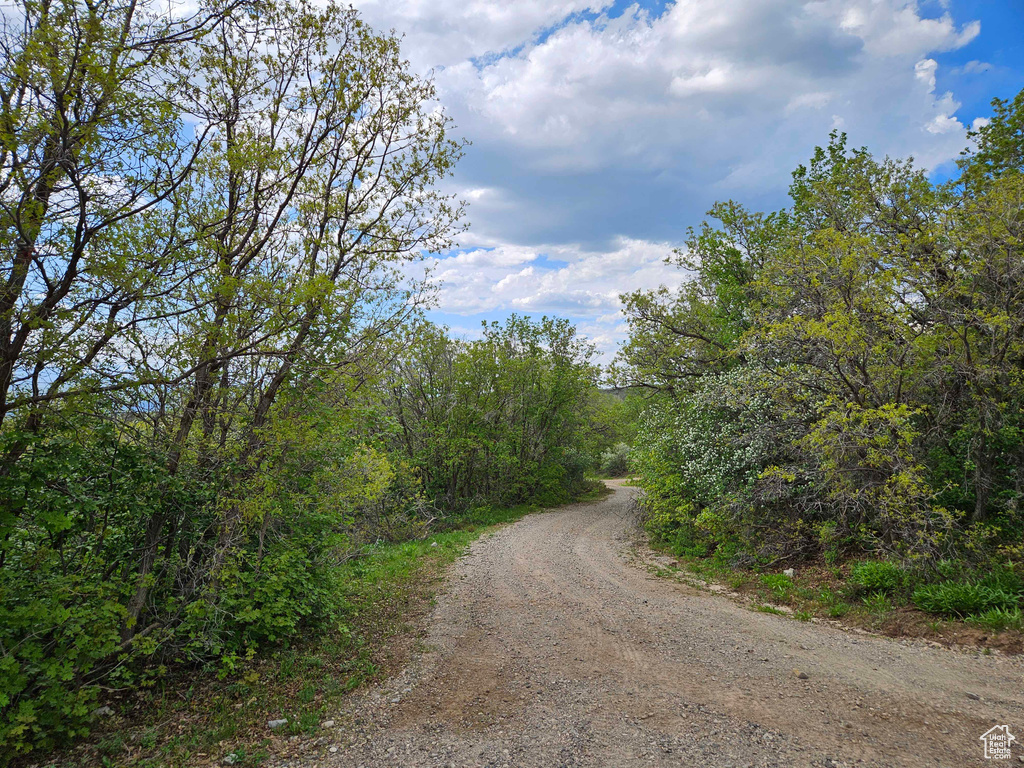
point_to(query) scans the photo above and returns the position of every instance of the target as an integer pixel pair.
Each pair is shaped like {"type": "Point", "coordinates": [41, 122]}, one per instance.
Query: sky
{"type": "Point", "coordinates": [601, 130]}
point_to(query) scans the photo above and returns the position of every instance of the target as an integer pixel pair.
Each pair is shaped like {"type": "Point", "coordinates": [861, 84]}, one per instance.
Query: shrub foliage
{"type": "Point", "coordinates": [215, 382]}
{"type": "Point", "coordinates": [843, 377]}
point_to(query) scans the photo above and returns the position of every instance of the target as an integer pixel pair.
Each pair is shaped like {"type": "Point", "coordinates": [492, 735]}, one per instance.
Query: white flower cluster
{"type": "Point", "coordinates": [699, 446]}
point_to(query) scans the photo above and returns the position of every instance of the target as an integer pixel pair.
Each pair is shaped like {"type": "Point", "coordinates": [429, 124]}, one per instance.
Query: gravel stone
{"type": "Point", "coordinates": [555, 643]}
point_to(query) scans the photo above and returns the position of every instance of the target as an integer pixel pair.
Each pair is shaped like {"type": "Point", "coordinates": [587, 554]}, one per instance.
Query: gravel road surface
{"type": "Point", "coordinates": [553, 645]}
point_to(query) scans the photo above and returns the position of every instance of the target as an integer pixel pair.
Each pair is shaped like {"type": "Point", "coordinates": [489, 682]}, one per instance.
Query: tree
{"type": "Point", "coordinates": [92, 150]}
{"type": "Point", "coordinates": [678, 336]}
{"type": "Point", "coordinates": [501, 419]}
{"type": "Point", "coordinates": [317, 188]}
{"type": "Point", "coordinates": [211, 226]}
{"type": "Point", "coordinates": [846, 370]}
{"type": "Point", "coordinates": [998, 145]}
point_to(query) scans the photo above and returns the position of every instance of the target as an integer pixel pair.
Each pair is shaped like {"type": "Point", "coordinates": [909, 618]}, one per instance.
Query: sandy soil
{"type": "Point", "coordinates": [553, 645]}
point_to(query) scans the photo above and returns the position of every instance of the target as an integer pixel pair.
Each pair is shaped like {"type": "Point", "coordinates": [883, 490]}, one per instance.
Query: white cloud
{"type": "Point", "coordinates": [976, 67]}
{"type": "Point", "coordinates": [924, 70]}
{"type": "Point", "coordinates": [944, 124]}
{"type": "Point", "coordinates": [597, 140]}
{"type": "Point", "coordinates": [706, 77]}
{"type": "Point", "coordinates": [551, 279]}
{"type": "Point", "coordinates": [439, 33]}
{"type": "Point", "coordinates": [817, 100]}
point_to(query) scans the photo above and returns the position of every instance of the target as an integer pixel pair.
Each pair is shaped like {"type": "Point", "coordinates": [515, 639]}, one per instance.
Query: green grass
{"type": "Point", "coordinates": [190, 718]}
{"type": "Point", "coordinates": [828, 601]}
{"type": "Point", "coordinates": [710, 568]}
{"type": "Point", "coordinates": [964, 599]}
{"type": "Point", "coordinates": [999, 619]}
{"type": "Point", "coordinates": [878, 603]}
{"type": "Point", "coordinates": [779, 585]}
{"type": "Point", "coordinates": [877, 576]}
{"type": "Point", "coordinates": [869, 592]}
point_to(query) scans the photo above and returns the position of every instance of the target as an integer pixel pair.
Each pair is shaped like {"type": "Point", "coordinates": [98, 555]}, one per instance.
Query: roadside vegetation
{"type": "Point", "coordinates": [183, 718]}
{"type": "Point", "coordinates": [838, 389]}
{"type": "Point", "coordinates": [234, 453]}
{"type": "Point", "coordinates": [955, 609]}
{"type": "Point", "coordinates": [228, 437]}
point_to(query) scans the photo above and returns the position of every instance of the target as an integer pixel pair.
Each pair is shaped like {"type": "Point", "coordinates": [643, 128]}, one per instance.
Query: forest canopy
{"type": "Point", "coordinates": [216, 383]}
{"type": "Point", "coordinates": [845, 375]}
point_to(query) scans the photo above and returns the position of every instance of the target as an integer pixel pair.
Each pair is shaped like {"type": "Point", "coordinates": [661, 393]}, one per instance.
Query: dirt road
{"type": "Point", "coordinates": [552, 646]}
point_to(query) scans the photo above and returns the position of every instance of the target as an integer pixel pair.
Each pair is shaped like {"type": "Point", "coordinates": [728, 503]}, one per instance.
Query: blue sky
{"type": "Point", "coordinates": [1000, 44]}
{"type": "Point", "coordinates": [602, 130]}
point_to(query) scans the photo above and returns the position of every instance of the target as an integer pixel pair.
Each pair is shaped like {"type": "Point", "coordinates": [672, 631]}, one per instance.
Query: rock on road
{"type": "Point", "coordinates": [551, 646]}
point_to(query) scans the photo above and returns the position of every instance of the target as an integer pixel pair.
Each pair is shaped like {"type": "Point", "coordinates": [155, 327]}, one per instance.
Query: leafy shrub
{"type": "Point", "coordinates": [1004, 578]}
{"type": "Point", "coordinates": [964, 598]}
{"type": "Point", "coordinates": [68, 570]}
{"type": "Point", "coordinates": [574, 463]}
{"type": "Point", "coordinates": [877, 602]}
{"type": "Point", "coordinates": [779, 583]}
{"type": "Point", "coordinates": [673, 525]}
{"type": "Point", "coordinates": [51, 647]}
{"type": "Point", "coordinates": [63, 582]}
{"type": "Point", "coordinates": [615, 461]}
{"type": "Point", "coordinates": [877, 576]}
{"type": "Point", "coordinates": [999, 619]}
{"type": "Point", "coordinates": [838, 610]}
{"type": "Point", "coordinates": [752, 362]}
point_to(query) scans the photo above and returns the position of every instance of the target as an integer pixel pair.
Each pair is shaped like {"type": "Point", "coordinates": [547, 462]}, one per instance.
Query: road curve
{"type": "Point", "coordinates": [554, 646]}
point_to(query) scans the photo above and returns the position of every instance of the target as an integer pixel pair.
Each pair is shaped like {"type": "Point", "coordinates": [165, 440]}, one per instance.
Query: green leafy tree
{"type": "Point", "coordinates": [209, 224]}
{"type": "Point", "coordinates": [502, 419]}
{"type": "Point", "coordinates": [869, 337]}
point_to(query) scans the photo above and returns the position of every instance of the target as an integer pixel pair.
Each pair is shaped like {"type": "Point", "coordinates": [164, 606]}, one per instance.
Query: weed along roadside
{"type": "Point", "coordinates": [979, 612]}
{"type": "Point", "coordinates": [244, 715]}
